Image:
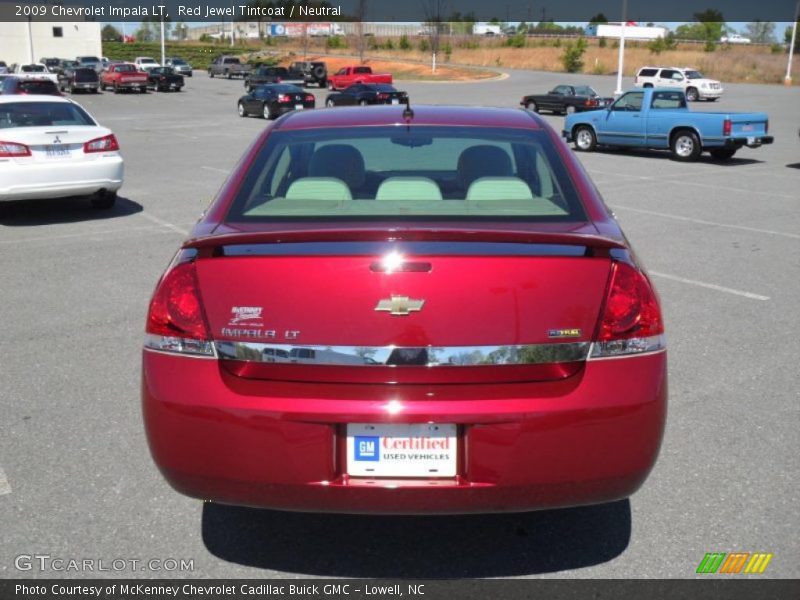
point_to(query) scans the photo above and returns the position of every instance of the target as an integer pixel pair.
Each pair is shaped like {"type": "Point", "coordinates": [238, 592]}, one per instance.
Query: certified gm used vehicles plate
{"type": "Point", "coordinates": [396, 311]}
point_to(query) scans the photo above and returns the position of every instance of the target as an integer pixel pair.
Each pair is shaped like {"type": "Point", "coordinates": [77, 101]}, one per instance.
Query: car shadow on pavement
{"type": "Point", "coordinates": [705, 159]}
{"type": "Point", "coordinates": [30, 213]}
{"type": "Point", "coordinates": [332, 545]}
{"type": "Point", "coordinates": [793, 165]}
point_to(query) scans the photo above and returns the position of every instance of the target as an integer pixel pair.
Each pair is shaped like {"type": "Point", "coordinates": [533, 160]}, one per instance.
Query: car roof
{"type": "Point", "coordinates": [7, 99]}
{"type": "Point", "coordinates": [465, 116]}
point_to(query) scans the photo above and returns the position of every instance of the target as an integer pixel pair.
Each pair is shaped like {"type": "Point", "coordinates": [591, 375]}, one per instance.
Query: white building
{"type": "Point", "coordinates": [632, 32]}
{"type": "Point", "coordinates": [28, 42]}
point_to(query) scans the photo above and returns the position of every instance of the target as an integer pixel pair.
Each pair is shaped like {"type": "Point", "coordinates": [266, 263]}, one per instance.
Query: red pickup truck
{"type": "Point", "coordinates": [347, 76]}
{"type": "Point", "coordinates": [123, 76]}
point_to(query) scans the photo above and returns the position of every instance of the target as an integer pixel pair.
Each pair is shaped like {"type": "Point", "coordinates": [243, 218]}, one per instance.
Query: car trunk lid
{"type": "Point", "coordinates": [414, 311]}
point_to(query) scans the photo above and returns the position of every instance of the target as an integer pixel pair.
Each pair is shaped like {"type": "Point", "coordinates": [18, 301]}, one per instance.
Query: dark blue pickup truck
{"type": "Point", "coordinates": [659, 119]}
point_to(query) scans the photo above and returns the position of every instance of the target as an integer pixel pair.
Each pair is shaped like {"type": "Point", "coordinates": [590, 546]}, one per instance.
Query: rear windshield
{"type": "Point", "coordinates": [584, 90]}
{"type": "Point", "coordinates": [420, 172]}
{"type": "Point", "coordinates": [88, 59]}
{"type": "Point", "coordinates": [647, 72]}
{"type": "Point", "coordinates": [37, 87]}
{"type": "Point", "coordinates": [33, 69]}
{"type": "Point", "coordinates": [86, 75]}
{"type": "Point", "coordinates": [282, 88]}
{"type": "Point", "coordinates": [125, 69]}
{"type": "Point", "coordinates": [42, 114]}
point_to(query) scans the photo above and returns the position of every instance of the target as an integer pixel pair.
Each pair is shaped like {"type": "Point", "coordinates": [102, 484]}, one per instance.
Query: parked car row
{"type": "Point", "coordinates": [274, 99]}
{"type": "Point", "coordinates": [127, 77]}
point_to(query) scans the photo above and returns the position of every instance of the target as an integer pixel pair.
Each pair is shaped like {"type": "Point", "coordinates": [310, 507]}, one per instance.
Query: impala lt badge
{"type": "Point", "coordinates": [399, 305]}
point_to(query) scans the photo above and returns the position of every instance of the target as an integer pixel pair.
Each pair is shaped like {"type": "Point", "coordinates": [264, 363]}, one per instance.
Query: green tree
{"type": "Point", "coordinates": [145, 32]}
{"type": "Point", "coordinates": [713, 26]}
{"type": "Point", "coordinates": [659, 45]}
{"type": "Point", "coordinates": [598, 18]}
{"type": "Point", "coordinates": [690, 31]}
{"type": "Point", "coordinates": [787, 37]}
{"type": "Point", "coordinates": [404, 44]}
{"type": "Point", "coordinates": [109, 33]}
{"type": "Point", "coordinates": [572, 57]}
{"type": "Point", "coordinates": [762, 32]}
{"type": "Point", "coordinates": [515, 41]}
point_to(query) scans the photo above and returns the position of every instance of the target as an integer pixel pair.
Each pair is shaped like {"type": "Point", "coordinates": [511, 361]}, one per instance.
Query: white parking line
{"type": "Point", "coordinates": [164, 223]}
{"type": "Point", "coordinates": [84, 234]}
{"type": "Point", "coordinates": [672, 179]}
{"type": "Point", "coordinates": [215, 169]}
{"type": "Point", "coordinates": [710, 286]}
{"type": "Point", "coordinates": [704, 222]}
{"type": "Point", "coordinates": [5, 487]}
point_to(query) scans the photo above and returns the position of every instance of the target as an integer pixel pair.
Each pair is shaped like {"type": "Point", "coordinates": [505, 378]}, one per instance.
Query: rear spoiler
{"type": "Point", "coordinates": [594, 242]}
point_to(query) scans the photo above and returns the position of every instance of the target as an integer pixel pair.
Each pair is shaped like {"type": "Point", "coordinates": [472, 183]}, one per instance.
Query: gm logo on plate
{"type": "Point", "coordinates": [366, 447]}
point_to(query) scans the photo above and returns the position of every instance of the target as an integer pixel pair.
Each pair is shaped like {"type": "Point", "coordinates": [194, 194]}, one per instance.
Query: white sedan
{"type": "Point", "coordinates": [50, 147]}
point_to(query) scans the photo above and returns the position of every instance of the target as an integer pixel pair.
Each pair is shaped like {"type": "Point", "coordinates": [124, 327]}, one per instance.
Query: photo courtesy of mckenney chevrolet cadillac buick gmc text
{"type": "Point", "coordinates": [406, 311]}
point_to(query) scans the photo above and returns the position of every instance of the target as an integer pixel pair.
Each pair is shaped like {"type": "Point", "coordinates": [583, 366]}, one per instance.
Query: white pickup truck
{"type": "Point", "coordinates": [33, 71]}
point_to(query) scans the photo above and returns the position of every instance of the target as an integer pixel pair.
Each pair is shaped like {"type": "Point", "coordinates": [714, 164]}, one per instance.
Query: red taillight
{"type": "Point", "coordinates": [175, 310]}
{"type": "Point", "coordinates": [631, 308]}
{"type": "Point", "coordinates": [310, 98]}
{"type": "Point", "coordinates": [283, 98]}
{"type": "Point", "coordinates": [13, 149]}
{"type": "Point", "coordinates": [726, 127]}
{"type": "Point", "coordinates": [382, 96]}
{"type": "Point", "coordinates": [107, 143]}
{"type": "Point", "coordinates": [591, 102]}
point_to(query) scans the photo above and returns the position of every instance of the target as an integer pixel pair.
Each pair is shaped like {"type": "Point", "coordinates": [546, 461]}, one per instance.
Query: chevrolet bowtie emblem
{"type": "Point", "coordinates": [400, 305]}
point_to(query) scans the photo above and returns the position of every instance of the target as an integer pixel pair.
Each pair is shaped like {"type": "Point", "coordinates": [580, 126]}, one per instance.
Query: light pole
{"type": "Point", "coordinates": [30, 41]}
{"type": "Point", "coordinates": [621, 59]}
{"type": "Point", "coordinates": [788, 79]}
{"type": "Point", "coordinates": [163, 51]}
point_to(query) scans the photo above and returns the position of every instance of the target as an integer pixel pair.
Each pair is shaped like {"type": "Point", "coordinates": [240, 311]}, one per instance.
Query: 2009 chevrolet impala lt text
{"type": "Point", "coordinates": [406, 311]}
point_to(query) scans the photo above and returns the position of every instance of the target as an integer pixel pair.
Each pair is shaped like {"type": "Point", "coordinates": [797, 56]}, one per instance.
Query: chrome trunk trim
{"type": "Point", "coordinates": [397, 356]}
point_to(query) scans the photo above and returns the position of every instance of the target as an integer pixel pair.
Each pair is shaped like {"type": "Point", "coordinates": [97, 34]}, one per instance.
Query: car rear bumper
{"type": "Point", "coordinates": [751, 142]}
{"type": "Point", "coordinates": [61, 180]}
{"type": "Point", "coordinates": [282, 109]}
{"type": "Point", "coordinates": [587, 439]}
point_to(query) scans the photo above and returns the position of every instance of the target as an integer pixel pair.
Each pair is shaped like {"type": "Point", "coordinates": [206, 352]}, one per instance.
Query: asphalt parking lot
{"type": "Point", "coordinates": [722, 242]}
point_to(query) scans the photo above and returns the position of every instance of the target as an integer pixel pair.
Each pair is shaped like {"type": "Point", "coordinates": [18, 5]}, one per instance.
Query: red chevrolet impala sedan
{"type": "Point", "coordinates": [406, 311]}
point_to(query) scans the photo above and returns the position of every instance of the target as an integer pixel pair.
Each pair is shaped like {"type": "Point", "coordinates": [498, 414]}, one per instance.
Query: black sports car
{"type": "Point", "coordinates": [366, 93]}
{"type": "Point", "coordinates": [566, 99]}
{"type": "Point", "coordinates": [274, 99]}
{"type": "Point", "coordinates": [81, 79]}
{"type": "Point", "coordinates": [164, 79]}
